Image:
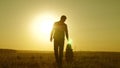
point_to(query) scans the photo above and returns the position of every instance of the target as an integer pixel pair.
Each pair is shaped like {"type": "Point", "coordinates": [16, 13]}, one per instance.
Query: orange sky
{"type": "Point", "coordinates": [93, 25]}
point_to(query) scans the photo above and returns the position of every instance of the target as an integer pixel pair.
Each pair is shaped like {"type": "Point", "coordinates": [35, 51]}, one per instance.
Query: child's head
{"type": "Point", "coordinates": [68, 46]}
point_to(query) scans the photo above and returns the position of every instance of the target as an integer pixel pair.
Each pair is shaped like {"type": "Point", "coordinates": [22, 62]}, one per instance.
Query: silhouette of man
{"type": "Point", "coordinates": [58, 33]}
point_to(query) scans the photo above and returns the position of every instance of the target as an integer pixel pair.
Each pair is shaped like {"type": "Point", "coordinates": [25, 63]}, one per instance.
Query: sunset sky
{"type": "Point", "coordinates": [94, 25]}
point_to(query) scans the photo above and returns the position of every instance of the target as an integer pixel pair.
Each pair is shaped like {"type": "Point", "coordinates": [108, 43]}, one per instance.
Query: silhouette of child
{"type": "Point", "coordinates": [69, 54]}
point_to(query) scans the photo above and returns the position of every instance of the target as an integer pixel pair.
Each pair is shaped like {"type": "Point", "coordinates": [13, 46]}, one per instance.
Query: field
{"type": "Point", "coordinates": [34, 59]}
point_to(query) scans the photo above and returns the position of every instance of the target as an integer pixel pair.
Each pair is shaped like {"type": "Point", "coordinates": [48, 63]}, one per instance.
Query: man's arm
{"type": "Point", "coordinates": [51, 35]}
{"type": "Point", "coordinates": [66, 32]}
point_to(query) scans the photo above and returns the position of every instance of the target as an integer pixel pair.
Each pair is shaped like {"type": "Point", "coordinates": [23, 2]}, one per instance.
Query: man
{"type": "Point", "coordinates": [58, 33]}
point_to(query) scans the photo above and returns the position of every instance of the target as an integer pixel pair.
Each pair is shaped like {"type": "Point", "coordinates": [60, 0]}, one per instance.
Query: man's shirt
{"type": "Point", "coordinates": [59, 30]}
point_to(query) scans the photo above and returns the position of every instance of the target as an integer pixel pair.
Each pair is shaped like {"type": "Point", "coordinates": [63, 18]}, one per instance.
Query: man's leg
{"type": "Point", "coordinates": [56, 51]}
{"type": "Point", "coordinates": [61, 48]}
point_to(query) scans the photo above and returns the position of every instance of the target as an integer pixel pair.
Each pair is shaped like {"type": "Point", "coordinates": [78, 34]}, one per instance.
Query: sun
{"type": "Point", "coordinates": [46, 25]}
{"type": "Point", "coordinates": [42, 26]}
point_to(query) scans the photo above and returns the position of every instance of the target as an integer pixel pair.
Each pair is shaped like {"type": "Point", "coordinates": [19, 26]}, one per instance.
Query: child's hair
{"type": "Point", "coordinates": [68, 46]}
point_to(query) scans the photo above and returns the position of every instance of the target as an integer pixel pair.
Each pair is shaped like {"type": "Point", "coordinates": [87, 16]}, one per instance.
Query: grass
{"type": "Point", "coordinates": [82, 59]}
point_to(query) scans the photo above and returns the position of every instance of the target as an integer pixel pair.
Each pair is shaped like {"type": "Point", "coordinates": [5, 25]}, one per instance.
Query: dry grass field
{"type": "Point", "coordinates": [82, 59]}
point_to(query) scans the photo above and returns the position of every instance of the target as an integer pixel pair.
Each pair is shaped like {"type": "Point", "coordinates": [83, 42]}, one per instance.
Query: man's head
{"type": "Point", "coordinates": [63, 18]}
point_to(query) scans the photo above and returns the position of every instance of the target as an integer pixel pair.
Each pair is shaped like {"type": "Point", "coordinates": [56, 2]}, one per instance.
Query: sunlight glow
{"type": "Point", "coordinates": [42, 26]}
{"type": "Point", "coordinates": [69, 41]}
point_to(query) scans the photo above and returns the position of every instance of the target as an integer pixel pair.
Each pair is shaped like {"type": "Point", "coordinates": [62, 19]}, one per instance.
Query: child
{"type": "Point", "coordinates": [69, 54]}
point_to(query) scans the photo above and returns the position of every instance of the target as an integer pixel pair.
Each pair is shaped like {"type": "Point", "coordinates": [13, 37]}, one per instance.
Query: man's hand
{"type": "Point", "coordinates": [50, 39]}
